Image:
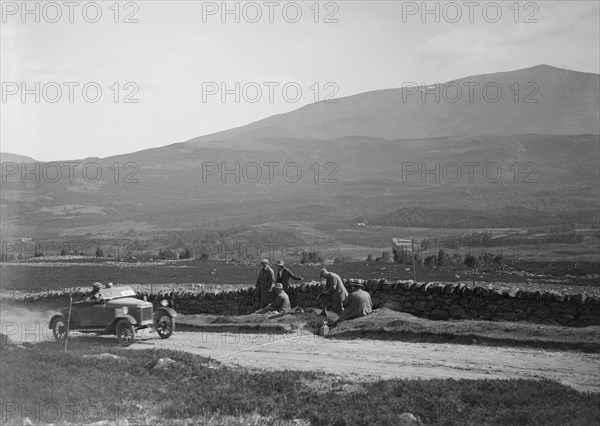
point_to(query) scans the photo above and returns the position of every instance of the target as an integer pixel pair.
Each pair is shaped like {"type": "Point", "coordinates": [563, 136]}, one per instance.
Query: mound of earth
{"type": "Point", "coordinates": [386, 324]}
{"type": "Point", "coordinates": [271, 322]}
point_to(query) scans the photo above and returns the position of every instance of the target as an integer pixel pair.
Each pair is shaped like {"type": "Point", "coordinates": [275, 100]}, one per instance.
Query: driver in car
{"type": "Point", "coordinates": [95, 293]}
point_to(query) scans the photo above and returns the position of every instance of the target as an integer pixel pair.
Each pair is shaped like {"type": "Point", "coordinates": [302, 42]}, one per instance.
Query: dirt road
{"type": "Point", "coordinates": [363, 359]}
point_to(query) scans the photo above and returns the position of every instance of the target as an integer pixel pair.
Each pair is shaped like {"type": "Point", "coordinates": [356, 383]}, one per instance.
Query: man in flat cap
{"type": "Point", "coordinates": [264, 283]}
{"type": "Point", "coordinates": [283, 275]}
{"type": "Point", "coordinates": [357, 304]}
{"type": "Point", "coordinates": [281, 302]}
{"type": "Point", "coordinates": [334, 293]}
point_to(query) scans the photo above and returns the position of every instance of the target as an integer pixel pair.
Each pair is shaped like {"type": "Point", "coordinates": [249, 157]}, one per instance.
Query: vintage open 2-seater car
{"type": "Point", "coordinates": [116, 311]}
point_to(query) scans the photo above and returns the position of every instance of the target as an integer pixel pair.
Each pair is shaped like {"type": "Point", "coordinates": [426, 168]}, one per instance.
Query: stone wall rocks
{"type": "Point", "coordinates": [437, 301]}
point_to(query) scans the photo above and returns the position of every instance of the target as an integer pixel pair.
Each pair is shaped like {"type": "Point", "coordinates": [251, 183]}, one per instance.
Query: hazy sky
{"type": "Point", "coordinates": [178, 54]}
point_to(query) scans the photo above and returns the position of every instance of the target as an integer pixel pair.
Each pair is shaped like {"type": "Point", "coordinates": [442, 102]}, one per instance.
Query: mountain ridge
{"type": "Point", "coordinates": [6, 157]}
{"type": "Point", "coordinates": [566, 104]}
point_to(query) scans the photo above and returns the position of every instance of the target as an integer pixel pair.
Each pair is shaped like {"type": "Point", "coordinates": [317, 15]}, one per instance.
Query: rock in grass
{"type": "Point", "coordinates": [163, 362]}
{"type": "Point", "coordinates": [408, 419]}
{"type": "Point", "coordinates": [105, 355]}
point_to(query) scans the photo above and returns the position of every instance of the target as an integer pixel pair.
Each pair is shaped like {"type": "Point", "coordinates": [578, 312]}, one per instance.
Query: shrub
{"type": "Point", "coordinates": [430, 260]}
{"type": "Point", "coordinates": [310, 257]}
{"type": "Point", "coordinates": [442, 257]}
{"type": "Point", "coordinates": [418, 259]}
{"type": "Point", "coordinates": [186, 254]}
{"type": "Point", "coordinates": [166, 254]}
{"type": "Point", "coordinates": [471, 261]}
{"type": "Point", "coordinates": [406, 257]}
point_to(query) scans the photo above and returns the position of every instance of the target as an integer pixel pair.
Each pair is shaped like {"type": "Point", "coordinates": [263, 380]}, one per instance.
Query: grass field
{"type": "Point", "coordinates": [46, 385]}
{"type": "Point", "coordinates": [565, 277]}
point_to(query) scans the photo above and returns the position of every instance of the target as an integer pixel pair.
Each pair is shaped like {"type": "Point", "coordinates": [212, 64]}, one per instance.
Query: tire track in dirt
{"type": "Point", "coordinates": [364, 359]}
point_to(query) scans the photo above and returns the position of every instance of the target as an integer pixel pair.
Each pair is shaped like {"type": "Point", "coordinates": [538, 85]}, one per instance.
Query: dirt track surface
{"type": "Point", "coordinates": [363, 359]}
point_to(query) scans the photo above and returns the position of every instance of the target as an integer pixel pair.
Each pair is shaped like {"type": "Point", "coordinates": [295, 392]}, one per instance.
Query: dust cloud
{"type": "Point", "coordinates": [22, 325]}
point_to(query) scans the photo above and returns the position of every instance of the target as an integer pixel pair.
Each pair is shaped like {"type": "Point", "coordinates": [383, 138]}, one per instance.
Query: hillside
{"type": "Point", "coordinates": [7, 157]}
{"type": "Point", "coordinates": [369, 156]}
{"type": "Point", "coordinates": [549, 101]}
{"type": "Point", "coordinates": [356, 176]}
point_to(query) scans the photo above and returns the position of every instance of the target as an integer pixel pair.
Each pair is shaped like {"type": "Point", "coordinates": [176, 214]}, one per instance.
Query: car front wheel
{"type": "Point", "coordinates": [165, 326]}
{"type": "Point", "coordinates": [125, 332]}
{"type": "Point", "coordinates": [59, 329]}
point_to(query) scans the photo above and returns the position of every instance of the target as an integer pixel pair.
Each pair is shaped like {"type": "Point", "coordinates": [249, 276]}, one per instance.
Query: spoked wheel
{"type": "Point", "coordinates": [59, 329]}
{"type": "Point", "coordinates": [125, 333]}
{"type": "Point", "coordinates": [165, 326]}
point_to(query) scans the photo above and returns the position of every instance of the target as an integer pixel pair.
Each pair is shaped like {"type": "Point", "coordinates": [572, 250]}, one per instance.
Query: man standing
{"type": "Point", "coordinates": [284, 275]}
{"type": "Point", "coordinates": [281, 302]}
{"type": "Point", "coordinates": [357, 304]}
{"type": "Point", "coordinates": [264, 283]}
{"type": "Point", "coordinates": [334, 293]}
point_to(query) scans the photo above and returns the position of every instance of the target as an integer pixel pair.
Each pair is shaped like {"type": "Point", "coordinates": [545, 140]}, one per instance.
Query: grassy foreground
{"type": "Point", "coordinates": [47, 385]}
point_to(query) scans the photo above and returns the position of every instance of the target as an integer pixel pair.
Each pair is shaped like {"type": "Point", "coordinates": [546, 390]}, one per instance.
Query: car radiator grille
{"type": "Point", "coordinates": [146, 313]}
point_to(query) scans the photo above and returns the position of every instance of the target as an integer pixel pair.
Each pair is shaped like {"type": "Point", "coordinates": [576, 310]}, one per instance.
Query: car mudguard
{"type": "Point", "coordinates": [57, 317]}
{"type": "Point", "coordinates": [164, 310]}
{"type": "Point", "coordinates": [127, 317]}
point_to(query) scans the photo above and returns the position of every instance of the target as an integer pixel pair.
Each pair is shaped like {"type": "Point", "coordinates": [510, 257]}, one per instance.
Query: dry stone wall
{"type": "Point", "coordinates": [458, 301]}
{"type": "Point", "coordinates": [431, 300]}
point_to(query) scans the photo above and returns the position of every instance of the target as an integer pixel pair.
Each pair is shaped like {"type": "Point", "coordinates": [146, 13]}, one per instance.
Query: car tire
{"type": "Point", "coordinates": [59, 329]}
{"type": "Point", "coordinates": [165, 326]}
{"type": "Point", "coordinates": [125, 332]}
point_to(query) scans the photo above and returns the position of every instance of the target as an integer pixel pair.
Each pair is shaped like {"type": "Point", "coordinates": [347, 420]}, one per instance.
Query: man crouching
{"type": "Point", "coordinates": [281, 302]}
{"type": "Point", "coordinates": [357, 304]}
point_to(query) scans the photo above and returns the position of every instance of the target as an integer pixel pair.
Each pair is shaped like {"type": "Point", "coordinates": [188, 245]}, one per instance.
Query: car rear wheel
{"type": "Point", "coordinates": [165, 326]}
{"type": "Point", "coordinates": [59, 329]}
{"type": "Point", "coordinates": [125, 332]}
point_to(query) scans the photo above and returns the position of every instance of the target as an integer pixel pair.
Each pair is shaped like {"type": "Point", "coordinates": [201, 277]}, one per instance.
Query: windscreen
{"type": "Point", "coordinates": [116, 292]}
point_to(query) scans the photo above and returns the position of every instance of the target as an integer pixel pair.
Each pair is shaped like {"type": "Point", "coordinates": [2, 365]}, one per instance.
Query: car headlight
{"type": "Point", "coordinates": [164, 302]}
{"type": "Point", "coordinates": [125, 310]}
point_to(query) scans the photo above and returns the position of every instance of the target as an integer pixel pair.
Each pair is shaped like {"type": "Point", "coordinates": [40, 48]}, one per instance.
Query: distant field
{"type": "Point", "coordinates": [358, 242]}
{"type": "Point", "coordinates": [564, 277]}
